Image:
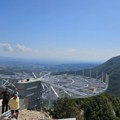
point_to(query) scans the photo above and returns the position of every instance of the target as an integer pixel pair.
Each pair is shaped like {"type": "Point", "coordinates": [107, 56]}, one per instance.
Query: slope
{"type": "Point", "coordinates": [111, 67]}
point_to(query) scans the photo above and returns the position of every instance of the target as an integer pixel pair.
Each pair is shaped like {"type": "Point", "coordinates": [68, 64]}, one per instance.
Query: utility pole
{"type": "Point", "coordinates": [83, 72]}
{"type": "Point", "coordinates": [102, 77]}
{"type": "Point", "coordinates": [90, 73]}
{"type": "Point", "coordinates": [97, 75]}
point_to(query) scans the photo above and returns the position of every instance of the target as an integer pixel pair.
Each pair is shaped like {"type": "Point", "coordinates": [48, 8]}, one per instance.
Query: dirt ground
{"type": "Point", "coordinates": [33, 115]}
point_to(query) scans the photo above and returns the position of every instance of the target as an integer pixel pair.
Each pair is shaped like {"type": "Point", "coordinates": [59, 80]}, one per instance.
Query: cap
{"type": "Point", "coordinates": [16, 95]}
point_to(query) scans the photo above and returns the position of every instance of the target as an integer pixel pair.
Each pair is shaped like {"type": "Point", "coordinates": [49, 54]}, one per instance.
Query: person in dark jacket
{"type": "Point", "coordinates": [5, 100]}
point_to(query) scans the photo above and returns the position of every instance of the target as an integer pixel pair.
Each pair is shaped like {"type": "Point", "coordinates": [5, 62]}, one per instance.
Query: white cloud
{"type": "Point", "coordinates": [23, 48]}
{"type": "Point", "coordinates": [18, 50]}
{"type": "Point", "coordinates": [87, 54]}
{"type": "Point", "coordinates": [6, 47]}
{"type": "Point", "coordinates": [84, 54]}
{"type": "Point", "coordinates": [72, 50]}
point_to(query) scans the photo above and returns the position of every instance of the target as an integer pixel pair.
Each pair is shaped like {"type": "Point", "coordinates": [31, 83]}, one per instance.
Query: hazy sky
{"type": "Point", "coordinates": [74, 30]}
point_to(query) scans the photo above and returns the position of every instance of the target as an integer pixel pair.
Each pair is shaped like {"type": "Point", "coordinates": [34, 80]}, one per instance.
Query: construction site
{"type": "Point", "coordinates": [37, 92]}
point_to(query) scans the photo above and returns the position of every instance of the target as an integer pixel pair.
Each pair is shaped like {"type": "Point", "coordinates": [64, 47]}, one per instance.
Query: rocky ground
{"type": "Point", "coordinates": [33, 115]}
{"type": "Point", "coordinates": [30, 115]}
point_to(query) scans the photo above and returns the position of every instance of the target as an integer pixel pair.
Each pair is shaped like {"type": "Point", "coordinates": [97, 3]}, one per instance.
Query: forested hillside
{"type": "Point", "coordinates": [111, 67]}
{"type": "Point", "coordinates": [101, 107]}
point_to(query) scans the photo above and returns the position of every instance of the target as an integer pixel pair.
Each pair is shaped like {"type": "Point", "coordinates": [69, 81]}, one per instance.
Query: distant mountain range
{"type": "Point", "coordinates": [9, 65]}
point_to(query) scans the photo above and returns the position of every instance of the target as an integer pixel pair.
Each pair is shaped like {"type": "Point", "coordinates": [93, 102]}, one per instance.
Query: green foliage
{"type": "Point", "coordinates": [101, 107]}
{"type": "Point", "coordinates": [65, 108]}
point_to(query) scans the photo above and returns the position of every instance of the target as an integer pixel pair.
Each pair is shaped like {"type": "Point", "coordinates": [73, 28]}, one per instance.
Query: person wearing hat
{"type": "Point", "coordinates": [14, 105]}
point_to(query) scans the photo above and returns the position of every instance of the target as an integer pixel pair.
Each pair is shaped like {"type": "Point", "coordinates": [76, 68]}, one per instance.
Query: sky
{"type": "Point", "coordinates": [66, 30]}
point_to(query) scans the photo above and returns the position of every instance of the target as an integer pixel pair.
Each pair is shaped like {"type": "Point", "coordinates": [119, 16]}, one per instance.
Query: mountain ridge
{"type": "Point", "coordinates": [112, 68]}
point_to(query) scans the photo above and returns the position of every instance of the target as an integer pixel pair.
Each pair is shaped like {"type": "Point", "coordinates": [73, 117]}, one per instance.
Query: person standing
{"type": "Point", "coordinates": [14, 105]}
{"type": "Point", "coordinates": [16, 91]}
{"type": "Point", "coordinates": [5, 100]}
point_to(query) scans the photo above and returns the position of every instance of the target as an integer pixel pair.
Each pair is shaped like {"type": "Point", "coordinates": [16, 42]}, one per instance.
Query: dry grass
{"type": "Point", "coordinates": [33, 115]}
